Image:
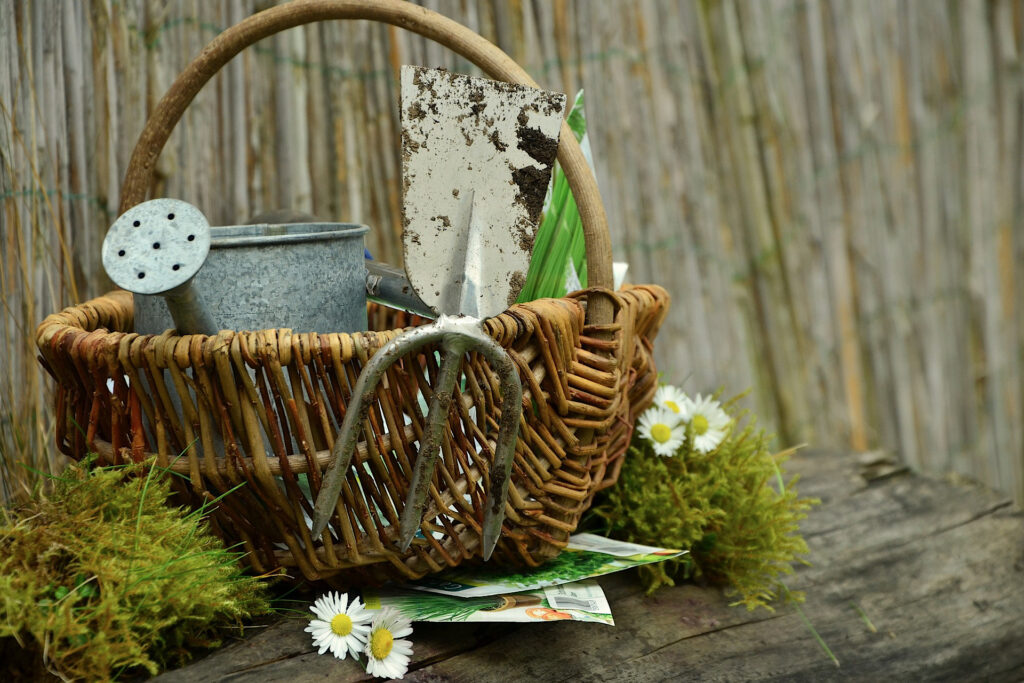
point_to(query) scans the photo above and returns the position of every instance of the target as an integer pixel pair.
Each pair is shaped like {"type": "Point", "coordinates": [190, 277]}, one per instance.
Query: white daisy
{"type": "Point", "coordinates": [663, 429]}
{"type": "Point", "coordinates": [386, 656]}
{"type": "Point", "coordinates": [672, 398]}
{"type": "Point", "coordinates": [340, 626]}
{"type": "Point", "coordinates": [708, 422]}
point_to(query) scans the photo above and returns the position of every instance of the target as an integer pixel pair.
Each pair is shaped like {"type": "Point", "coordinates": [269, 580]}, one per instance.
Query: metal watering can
{"type": "Point", "coordinates": [201, 279]}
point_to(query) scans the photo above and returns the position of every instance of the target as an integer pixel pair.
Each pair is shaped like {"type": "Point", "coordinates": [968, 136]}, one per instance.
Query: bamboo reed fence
{"type": "Point", "coordinates": [830, 189]}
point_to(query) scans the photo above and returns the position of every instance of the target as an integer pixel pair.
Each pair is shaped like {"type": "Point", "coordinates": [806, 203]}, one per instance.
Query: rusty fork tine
{"type": "Point", "coordinates": [430, 444]}
{"type": "Point", "coordinates": [363, 393]}
{"type": "Point", "coordinates": [505, 447]}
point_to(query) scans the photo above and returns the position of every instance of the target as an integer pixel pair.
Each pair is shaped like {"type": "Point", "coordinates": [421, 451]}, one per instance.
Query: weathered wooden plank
{"type": "Point", "coordinates": [934, 566]}
{"type": "Point", "coordinates": [282, 652]}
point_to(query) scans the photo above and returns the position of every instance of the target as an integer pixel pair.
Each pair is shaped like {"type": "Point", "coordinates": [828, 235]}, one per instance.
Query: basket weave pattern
{"type": "Point", "coordinates": [261, 409]}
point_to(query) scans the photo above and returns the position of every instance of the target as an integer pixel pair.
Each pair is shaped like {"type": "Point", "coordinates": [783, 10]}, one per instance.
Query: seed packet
{"type": "Point", "coordinates": [579, 601]}
{"type": "Point", "coordinates": [586, 556]}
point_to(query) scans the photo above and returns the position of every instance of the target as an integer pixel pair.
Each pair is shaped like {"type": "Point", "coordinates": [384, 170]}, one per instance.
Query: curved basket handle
{"type": "Point", "coordinates": [494, 62]}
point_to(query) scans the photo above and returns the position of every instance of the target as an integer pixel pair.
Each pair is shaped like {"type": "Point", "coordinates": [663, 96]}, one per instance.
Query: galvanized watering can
{"type": "Point", "coordinates": [258, 277]}
{"type": "Point", "coordinates": [201, 279]}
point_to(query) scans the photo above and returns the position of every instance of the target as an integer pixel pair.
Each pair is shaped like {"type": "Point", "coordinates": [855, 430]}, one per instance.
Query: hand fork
{"type": "Point", "coordinates": [458, 335]}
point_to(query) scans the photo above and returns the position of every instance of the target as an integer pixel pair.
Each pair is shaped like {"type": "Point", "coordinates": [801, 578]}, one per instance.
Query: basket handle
{"type": "Point", "coordinates": [494, 62]}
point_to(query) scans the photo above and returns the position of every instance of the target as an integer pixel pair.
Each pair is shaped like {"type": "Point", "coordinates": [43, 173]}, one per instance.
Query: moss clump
{"type": "Point", "coordinates": [102, 576]}
{"type": "Point", "coordinates": [724, 506]}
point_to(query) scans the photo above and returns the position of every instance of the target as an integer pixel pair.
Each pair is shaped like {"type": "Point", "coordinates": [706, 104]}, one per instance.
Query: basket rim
{"type": "Point", "coordinates": [77, 316]}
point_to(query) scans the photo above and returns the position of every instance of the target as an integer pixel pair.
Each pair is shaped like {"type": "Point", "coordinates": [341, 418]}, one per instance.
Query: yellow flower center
{"type": "Point", "coordinates": [673, 406]}
{"type": "Point", "coordinates": [661, 432]}
{"type": "Point", "coordinates": [700, 424]}
{"type": "Point", "coordinates": [380, 643]}
{"type": "Point", "coordinates": [341, 624]}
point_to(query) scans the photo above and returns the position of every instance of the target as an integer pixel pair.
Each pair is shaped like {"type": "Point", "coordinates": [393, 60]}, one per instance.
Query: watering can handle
{"type": "Point", "coordinates": [494, 62]}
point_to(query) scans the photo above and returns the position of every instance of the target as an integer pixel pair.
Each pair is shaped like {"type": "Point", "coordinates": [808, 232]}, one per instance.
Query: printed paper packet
{"type": "Point", "coordinates": [580, 601]}
{"type": "Point", "coordinates": [586, 556]}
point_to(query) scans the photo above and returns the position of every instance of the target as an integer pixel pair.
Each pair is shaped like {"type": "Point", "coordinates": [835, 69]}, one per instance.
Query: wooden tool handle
{"type": "Point", "coordinates": [494, 62]}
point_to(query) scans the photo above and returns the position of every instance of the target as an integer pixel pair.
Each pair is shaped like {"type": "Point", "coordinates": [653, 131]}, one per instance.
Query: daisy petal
{"type": "Point", "coordinates": [341, 625]}
{"type": "Point", "coordinates": [662, 429]}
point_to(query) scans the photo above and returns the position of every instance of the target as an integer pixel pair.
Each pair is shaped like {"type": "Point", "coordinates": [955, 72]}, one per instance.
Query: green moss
{"type": "Point", "coordinates": [724, 506]}
{"type": "Point", "coordinates": [102, 577]}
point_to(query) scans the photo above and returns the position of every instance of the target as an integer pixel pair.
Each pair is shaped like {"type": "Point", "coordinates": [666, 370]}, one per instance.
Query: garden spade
{"type": "Point", "coordinates": [477, 158]}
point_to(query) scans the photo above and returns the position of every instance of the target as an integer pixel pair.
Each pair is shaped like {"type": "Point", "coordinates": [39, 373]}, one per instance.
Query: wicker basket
{"type": "Point", "coordinates": [263, 408]}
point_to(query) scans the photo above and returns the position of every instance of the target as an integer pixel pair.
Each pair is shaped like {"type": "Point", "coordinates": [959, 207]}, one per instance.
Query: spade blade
{"type": "Point", "coordinates": [480, 148]}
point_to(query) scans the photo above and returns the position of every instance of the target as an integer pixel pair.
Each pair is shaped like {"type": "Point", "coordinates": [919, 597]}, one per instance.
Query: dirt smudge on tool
{"type": "Point", "coordinates": [516, 284]}
{"type": "Point", "coordinates": [524, 234]}
{"type": "Point", "coordinates": [496, 141]}
{"type": "Point", "coordinates": [532, 185]}
{"type": "Point", "coordinates": [416, 112]}
{"type": "Point", "coordinates": [539, 146]}
{"type": "Point", "coordinates": [531, 181]}
{"type": "Point", "coordinates": [476, 98]}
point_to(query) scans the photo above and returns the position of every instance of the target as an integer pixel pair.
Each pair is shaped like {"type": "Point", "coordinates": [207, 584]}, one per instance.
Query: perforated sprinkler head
{"type": "Point", "coordinates": [156, 248]}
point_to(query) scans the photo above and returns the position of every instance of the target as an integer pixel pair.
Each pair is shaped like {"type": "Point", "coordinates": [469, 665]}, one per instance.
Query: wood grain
{"type": "Point", "coordinates": [935, 566]}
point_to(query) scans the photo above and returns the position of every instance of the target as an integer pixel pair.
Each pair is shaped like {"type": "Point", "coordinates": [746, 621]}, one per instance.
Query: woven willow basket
{"type": "Point", "coordinates": [262, 408]}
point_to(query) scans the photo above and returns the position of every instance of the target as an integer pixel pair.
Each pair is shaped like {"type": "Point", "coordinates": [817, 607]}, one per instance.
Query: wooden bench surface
{"type": "Point", "coordinates": [912, 578]}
